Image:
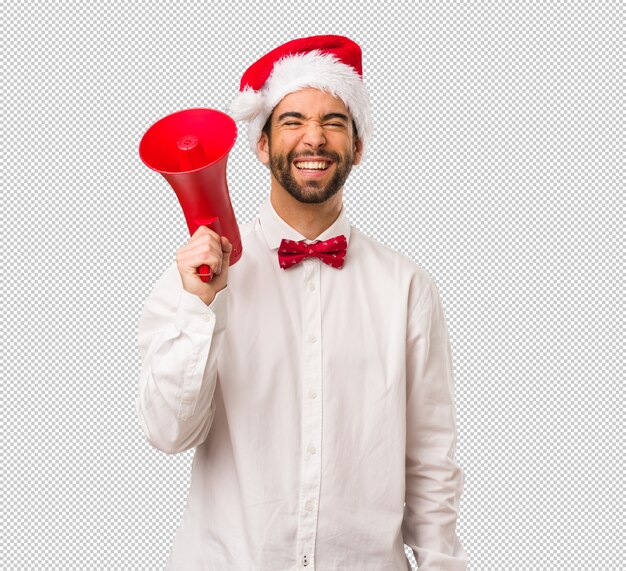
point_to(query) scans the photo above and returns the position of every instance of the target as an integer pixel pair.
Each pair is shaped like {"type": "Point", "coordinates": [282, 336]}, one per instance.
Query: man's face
{"type": "Point", "coordinates": [311, 146]}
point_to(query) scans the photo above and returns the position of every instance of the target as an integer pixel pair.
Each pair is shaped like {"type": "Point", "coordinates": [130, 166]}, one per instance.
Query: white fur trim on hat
{"type": "Point", "coordinates": [293, 73]}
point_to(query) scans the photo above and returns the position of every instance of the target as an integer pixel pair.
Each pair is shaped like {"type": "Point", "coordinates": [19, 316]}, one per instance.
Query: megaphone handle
{"type": "Point", "coordinates": [204, 271]}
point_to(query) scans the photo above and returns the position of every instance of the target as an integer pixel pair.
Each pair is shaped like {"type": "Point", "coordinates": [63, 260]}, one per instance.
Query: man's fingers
{"type": "Point", "coordinates": [205, 247]}
{"type": "Point", "coordinates": [202, 230]}
{"type": "Point", "coordinates": [204, 234]}
{"type": "Point", "coordinates": [227, 247]}
{"type": "Point", "coordinates": [199, 256]}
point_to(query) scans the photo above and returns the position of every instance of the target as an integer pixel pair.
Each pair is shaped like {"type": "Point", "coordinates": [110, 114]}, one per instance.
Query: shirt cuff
{"type": "Point", "coordinates": [195, 316]}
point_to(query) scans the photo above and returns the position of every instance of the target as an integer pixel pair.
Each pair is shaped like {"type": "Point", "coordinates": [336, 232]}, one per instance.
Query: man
{"type": "Point", "coordinates": [314, 376]}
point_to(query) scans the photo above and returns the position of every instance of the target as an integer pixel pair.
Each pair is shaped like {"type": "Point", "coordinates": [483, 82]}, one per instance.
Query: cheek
{"type": "Point", "coordinates": [291, 141]}
{"type": "Point", "coordinates": [342, 141]}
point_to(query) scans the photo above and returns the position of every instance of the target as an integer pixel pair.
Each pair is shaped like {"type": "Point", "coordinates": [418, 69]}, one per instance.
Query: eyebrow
{"type": "Point", "coordinates": [326, 117]}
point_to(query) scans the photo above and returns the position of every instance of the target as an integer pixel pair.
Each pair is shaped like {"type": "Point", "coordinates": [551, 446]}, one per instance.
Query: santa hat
{"type": "Point", "coordinates": [329, 63]}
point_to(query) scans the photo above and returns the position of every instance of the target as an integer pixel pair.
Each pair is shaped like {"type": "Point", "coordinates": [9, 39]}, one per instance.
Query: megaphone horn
{"type": "Point", "coordinates": [190, 149]}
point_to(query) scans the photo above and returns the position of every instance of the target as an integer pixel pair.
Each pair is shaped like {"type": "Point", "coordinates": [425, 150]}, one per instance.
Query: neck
{"type": "Point", "coordinates": [308, 219]}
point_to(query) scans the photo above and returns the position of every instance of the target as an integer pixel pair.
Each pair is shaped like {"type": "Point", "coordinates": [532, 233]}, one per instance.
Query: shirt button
{"type": "Point", "coordinates": [308, 506]}
{"type": "Point", "coordinates": [311, 287]}
{"type": "Point", "coordinates": [311, 450]}
{"type": "Point", "coordinates": [312, 338]}
{"type": "Point", "coordinates": [206, 317]}
{"type": "Point", "coordinates": [312, 394]}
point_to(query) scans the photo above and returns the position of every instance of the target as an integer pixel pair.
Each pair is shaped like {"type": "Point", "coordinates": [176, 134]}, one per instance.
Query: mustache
{"type": "Point", "coordinates": [291, 156]}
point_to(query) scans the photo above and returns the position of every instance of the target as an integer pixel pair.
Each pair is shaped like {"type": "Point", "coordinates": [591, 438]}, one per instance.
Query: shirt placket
{"type": "Point", "coordinates": [311, 445]}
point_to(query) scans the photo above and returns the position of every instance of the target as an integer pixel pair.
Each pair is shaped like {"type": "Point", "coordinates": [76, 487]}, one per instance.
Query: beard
{"type": "Point", "coordinates": [313, 191]}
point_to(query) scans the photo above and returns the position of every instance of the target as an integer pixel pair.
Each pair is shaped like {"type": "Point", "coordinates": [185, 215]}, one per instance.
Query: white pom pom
{"type": "Point", "coordinates": [246, 105]}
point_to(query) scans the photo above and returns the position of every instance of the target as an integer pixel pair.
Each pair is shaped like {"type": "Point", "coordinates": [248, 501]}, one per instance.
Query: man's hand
{"type": "Point", "coordinates": [204, 247]}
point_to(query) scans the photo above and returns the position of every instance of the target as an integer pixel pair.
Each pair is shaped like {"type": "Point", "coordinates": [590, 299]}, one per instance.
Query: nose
{"type": "Point", "coordinates": [314, 136]}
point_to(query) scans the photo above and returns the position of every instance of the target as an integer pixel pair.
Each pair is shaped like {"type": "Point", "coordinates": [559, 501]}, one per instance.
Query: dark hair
{"type": "Point", "coordinates": [268, 125]}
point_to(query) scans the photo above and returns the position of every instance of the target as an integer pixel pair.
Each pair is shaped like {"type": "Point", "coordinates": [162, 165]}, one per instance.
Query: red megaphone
{"type": "Point", "coordinates": [190, 149]}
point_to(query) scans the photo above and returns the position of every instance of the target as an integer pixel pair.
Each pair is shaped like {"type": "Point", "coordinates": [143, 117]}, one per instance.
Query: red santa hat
{"type": "Point", "coordinates": [329, 63]}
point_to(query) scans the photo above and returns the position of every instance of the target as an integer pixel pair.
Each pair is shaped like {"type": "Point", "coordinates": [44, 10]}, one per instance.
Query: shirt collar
{"type": "Point", "coordinates": [275, 228]}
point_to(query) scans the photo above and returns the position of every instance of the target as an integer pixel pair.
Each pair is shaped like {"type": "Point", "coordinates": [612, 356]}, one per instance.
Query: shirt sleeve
{"type": "Point", "coordinates": [179, 339]}
{"type": "Point", "coordinates": [433, 479]}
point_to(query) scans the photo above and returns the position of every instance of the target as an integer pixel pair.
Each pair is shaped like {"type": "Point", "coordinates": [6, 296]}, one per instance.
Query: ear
{"type": "Point", "coordinates": [358, 150]}
{"type": "Point", "coordinates": [263, 149]}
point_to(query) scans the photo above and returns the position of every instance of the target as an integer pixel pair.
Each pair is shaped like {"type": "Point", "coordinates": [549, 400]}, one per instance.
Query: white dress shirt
{"type": "Point", "coordinates": [319, 400]}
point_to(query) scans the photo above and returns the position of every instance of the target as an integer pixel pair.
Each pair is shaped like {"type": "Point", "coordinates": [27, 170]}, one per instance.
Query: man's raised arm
{"type": "Point", "coordinates": [180, 335]}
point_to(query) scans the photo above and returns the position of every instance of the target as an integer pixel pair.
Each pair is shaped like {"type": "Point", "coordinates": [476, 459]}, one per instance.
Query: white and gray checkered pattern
{"type": "Point", "coordinates": [497, 163]}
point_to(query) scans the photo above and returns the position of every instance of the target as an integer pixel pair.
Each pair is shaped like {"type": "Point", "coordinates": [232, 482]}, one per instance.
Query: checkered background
{"type": "Point", "coordinates": [497, 164]}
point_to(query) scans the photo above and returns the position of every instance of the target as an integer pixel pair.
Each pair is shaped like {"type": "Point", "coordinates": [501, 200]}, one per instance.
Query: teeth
{"type": "Point", "coordinates": [312, 165]}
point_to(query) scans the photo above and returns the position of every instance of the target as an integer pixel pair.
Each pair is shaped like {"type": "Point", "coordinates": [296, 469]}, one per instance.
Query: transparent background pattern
{"type": "Point", "coordinates": [497, 164]}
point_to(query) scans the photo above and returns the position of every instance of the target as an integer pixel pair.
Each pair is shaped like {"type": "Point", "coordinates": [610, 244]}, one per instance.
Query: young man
{"type": "Point", "coordinates": [314, 376]}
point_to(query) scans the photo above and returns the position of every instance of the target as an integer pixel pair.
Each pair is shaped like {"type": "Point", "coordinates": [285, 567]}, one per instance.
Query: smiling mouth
{"type": "Point", "coordinates": [318, 166]}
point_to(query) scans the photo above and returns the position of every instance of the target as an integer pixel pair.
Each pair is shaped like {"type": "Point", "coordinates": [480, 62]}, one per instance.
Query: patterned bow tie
{"type": "Point", "coordinates": [331, 251]}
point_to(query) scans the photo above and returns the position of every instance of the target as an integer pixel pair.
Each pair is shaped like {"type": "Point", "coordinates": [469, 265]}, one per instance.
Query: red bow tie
{"type": "Point", "coordinates": [331, 251]}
